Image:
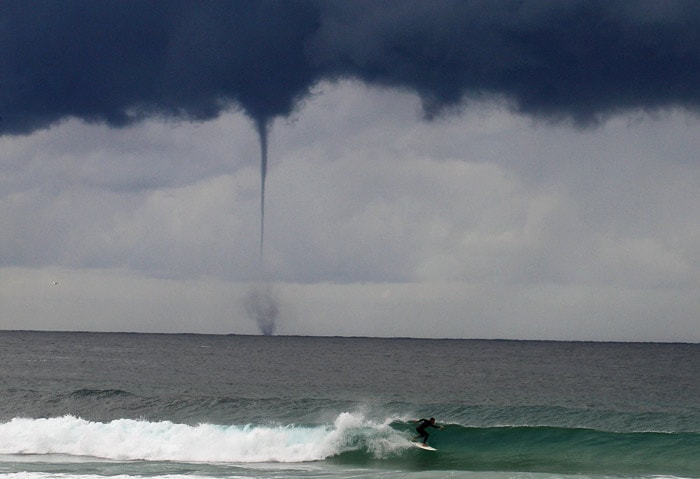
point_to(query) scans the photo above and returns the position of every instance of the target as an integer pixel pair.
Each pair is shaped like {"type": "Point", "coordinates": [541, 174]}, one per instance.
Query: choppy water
{"type": "Point", "coordinates": [89, 406]}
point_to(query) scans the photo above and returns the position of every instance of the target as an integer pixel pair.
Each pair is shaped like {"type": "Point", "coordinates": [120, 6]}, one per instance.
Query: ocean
{"type": "Point", "coordinates": [134, 406]}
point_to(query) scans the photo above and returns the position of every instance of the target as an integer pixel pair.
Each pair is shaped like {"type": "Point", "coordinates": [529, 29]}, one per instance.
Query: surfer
{"type": "Point", "coordinates": [421, 428]}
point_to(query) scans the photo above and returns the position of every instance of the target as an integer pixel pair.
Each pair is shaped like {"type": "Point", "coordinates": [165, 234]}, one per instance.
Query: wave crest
{"type": "Point", "coordinates": [129, 439]}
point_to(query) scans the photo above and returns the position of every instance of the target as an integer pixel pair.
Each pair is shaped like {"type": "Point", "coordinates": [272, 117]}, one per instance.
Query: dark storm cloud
{"type": "Point", "coordinates": [122, 61]}
{"type": "Point", "coordinates": [117, 62]}
{"type": "Point", "coordinates": [551, 58]}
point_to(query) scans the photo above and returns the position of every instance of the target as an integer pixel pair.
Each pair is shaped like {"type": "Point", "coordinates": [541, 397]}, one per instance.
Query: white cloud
{"type": "Point", "coordinates": [378, 223]}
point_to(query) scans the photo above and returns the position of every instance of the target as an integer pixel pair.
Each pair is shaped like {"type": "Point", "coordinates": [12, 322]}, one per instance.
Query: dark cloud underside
{"type": "Point", "coordinates": [117, 62]}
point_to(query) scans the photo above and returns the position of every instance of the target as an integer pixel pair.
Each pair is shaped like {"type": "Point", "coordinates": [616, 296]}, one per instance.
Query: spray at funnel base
{"type": "Point", "coordinates": [262, 307]}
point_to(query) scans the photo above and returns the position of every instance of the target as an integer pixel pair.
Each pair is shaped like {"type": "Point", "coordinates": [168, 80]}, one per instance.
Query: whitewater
{"type": "Point", "coordinates": [91, 406]}
{"type": "Point", "coordinates": [132, 440]}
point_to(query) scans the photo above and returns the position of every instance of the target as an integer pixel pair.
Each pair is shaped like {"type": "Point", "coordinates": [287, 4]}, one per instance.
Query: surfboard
{"type": "Point", "coordinates": [424, 446]}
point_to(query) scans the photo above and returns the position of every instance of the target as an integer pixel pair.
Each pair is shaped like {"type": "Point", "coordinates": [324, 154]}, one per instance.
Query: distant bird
{"type": "Point", "coordinates": [55, 283]}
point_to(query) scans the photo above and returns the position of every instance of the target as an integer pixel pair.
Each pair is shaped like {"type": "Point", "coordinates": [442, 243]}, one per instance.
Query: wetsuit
{"type": "Point", "coordinates": [421, 429]}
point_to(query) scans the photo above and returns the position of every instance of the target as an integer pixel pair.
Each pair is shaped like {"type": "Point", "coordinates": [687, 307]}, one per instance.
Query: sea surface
{"type": "Point", "coordinates": [98, 405]}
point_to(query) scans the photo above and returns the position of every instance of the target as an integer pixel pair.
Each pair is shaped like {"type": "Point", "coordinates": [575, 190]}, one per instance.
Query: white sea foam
{"type": "Point", "coordinates": [339, 474]}
{"type": "Point", "coordinates": [128, 439]}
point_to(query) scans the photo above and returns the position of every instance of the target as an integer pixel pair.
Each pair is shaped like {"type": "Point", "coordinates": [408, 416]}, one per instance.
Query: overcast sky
{"type": "Point", "coordinates": [501, 169]}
